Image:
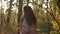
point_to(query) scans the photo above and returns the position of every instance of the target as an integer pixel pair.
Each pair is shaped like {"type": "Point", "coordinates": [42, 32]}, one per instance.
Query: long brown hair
{"type": "Point", "coordinates": [29, 15]}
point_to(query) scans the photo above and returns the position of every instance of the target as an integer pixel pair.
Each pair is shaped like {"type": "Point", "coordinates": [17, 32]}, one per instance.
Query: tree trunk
{"type": "Point", "coordinates": [8, 17]}
{"type": "Point", "coordinates": [9, 11]}
{"type": "Point", "coordinates": [19, 14]}
{"type": "Point", "coordinates": [27, 2]}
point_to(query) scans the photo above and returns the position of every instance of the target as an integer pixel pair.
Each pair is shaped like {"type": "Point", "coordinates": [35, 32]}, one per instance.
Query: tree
{"type": "Point", "coordinates": [27, 2]}
{"type": "Point", "coordinates": [55, 13]}
{"type": "Point", "coordinates": [19, 14]}
{"type": "Point", "coordinates": [8, 16]}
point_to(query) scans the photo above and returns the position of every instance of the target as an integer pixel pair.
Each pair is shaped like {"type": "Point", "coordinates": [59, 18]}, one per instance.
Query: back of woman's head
{"type": "Point", "coordinates": [29, 15]}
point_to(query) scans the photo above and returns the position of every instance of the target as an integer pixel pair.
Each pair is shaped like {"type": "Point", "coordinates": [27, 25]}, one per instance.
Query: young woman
{"type": "Point", "coordinates": [29, 22]}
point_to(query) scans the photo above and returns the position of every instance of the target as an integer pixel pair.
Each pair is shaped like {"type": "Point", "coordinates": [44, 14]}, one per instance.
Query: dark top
{"type": "Point", "coordinates": [26, 29]}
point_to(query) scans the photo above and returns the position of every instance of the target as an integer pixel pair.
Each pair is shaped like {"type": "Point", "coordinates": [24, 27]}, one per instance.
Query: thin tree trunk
{"type": "Point", "coordinates": [8, 17]}
{"type": "Point", "coordinates": [27, 2]}
{"type": "Point", "coordinates": [49, 25]}
{"type": "Point", "coordinates": [19, 14]}
{"type": "Point", "coordinates": [33, 2]}
{"type": "Point", "coordinates": [9, 11]}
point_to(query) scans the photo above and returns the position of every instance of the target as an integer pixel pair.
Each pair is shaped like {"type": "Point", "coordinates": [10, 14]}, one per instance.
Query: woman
{"type": "Point", "coordinates": [29, 21]}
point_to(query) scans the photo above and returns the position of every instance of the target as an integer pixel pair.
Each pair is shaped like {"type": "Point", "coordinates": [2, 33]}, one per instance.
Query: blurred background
{"type": "Point", "coordinates": [47, 13]}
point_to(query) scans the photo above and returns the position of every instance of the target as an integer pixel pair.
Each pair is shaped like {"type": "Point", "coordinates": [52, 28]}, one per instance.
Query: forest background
{"type": "Point", "coordinates": [47, 13]}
